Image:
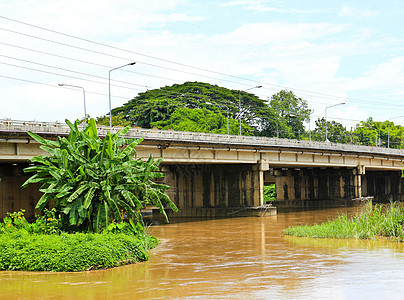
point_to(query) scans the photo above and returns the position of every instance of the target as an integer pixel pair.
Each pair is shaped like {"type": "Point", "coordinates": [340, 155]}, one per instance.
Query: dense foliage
{"type": "Point", "coordinates": [290, 111]}
{"type": "Point", "coordinates": [165, 108]}
{"type": "Point", "coordinates": [336, 133]}
{"type": "Point", "coordinates": [43, 246]}
{"type": "Point", "coordinates": [92, 182]}
{"type": "Point", "coordinates": [269, 193]}
{"type": "Point", "coordinates": [22, 251]}
{"type": "Point", "coordinates": [373, 222]}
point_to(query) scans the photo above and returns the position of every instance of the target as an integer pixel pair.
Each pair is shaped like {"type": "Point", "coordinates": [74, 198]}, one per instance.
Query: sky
{"type": "Point", "coordinates": [326, 52]}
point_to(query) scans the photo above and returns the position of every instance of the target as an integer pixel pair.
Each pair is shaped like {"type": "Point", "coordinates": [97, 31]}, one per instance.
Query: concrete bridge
{"type": "Point", "coordinates": [214, 174]}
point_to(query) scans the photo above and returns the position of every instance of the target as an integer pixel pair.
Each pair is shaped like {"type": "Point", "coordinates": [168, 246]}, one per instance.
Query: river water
{"type": "Point", "coordinates": [238, 258]}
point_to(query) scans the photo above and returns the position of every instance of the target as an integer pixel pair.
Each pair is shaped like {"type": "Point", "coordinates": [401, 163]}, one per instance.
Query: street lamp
{"type": "Point", "coordinates": [388, 136]}
{"type": "Point", "coordinates": [84, 96]}
{"type": "Point", "coordinates": [239, 99]}
{"type": "Point", "coordinates": [109, 89]}
{"type": "Point", "coordinates": [342, 103]}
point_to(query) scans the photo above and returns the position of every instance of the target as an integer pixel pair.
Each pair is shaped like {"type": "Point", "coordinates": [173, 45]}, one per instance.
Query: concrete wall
{"type": "Point", "coordinates": [311, 184]}
{"type": "Point", "coordinates": [12, 196]}
{"type": "Point", "coordinates": [383, 185]}
{"type": "Point", "coordinates": [213, 186]}
{"type": "Point", "coordinates": [329, 187]}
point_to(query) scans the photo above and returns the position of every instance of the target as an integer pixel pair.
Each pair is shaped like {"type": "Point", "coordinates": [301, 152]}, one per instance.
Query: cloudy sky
{"type": "Point", "coordinates": [326, 52]}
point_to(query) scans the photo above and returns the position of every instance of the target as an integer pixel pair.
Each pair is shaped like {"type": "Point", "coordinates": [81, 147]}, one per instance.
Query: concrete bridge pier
{"type": "Point", "coordinates": [384, 186]}
{"type": "Point", "coordinates": [314, 187]}
{"type": "Point", "coordinates": [358, 173]}
{"type": "Point", "coordinates": [333, 187]}
{"type": "Point", "coordinates": [216, 190]}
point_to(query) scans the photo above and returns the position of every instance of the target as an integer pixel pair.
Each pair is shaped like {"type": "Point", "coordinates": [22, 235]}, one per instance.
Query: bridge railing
{"type": "Point", "coordinates": [195, 137]}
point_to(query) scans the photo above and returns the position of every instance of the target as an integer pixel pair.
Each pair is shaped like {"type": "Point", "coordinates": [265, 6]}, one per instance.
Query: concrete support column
{"type": "Point", "coordinates": [360, 170]}
{"type": "Point", "coordinates": [282, 183]}
{"type": "Point", "coordinates": [262, 167]}
{"type": "Point", "coordinates": [342, 184]}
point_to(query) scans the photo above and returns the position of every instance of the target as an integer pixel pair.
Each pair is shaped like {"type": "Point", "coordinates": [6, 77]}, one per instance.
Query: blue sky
{"type": "Point", "coordinates": [326, 52]}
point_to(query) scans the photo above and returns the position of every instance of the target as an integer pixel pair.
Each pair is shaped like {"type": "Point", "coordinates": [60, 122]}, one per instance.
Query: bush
{"type": "Point", "coordinates": [42, 246]}
{"type": "Point", "coordinates": [49, 223]}
{"type": "Point", "coordinates": [20, 250]}
{"type": "Point", "coordinates": [269, 193]}
{"type": "Point", "coordinates": [373, 222]}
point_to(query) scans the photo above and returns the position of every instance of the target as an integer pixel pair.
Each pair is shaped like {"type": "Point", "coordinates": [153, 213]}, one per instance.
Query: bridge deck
{"type": "Point", "coordinates": [11, 128]}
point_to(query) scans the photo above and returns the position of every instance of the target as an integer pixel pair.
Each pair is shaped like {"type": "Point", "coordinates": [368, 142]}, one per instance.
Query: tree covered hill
{"type": "Point", "coordinates": [202, 107]}
{"type": "Point", "coordinates": [196, 106]}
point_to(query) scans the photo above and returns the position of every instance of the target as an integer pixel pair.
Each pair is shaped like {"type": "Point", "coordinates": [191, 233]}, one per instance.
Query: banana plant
{"type": "Point", "coordinates": [93, 181]}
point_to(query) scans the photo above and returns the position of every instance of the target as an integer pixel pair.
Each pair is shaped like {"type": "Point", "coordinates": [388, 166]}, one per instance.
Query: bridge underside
{"type": "Point", "coordinates": [12, 196]}
{"type": "Point", "coordinates": [327, 187]}
{"type": "Point", "coordinates": [197, 187]}
{"type": "Point", "coordinates": [209, 190]}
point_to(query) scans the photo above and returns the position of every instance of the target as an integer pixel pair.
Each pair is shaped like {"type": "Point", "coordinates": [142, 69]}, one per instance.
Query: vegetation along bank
{"type": "Point", "coordinates": [93, 191]}
{"type": "Point", "coordinates": [373, 222]}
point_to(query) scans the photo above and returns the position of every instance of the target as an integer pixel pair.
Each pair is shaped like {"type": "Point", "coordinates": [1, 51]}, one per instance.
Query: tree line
{"type": "Point", "coordinates": [202, 107]}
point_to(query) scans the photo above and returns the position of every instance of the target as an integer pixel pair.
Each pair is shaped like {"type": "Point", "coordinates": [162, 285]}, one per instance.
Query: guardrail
{"type": "Point", "coordinates": [194, 137]}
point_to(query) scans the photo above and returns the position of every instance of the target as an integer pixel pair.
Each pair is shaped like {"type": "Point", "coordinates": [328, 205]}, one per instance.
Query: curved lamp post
{"type": "Point", "coordinates": [84, 96]}
{"type": "Point", "coordinates": [109, 89]}
{"type": "Point", "coordinates": [239, 100]}
{"type": "Point", "coordinates": [325, 115]}
{"type": "Point", "coordinates": [388, 136]}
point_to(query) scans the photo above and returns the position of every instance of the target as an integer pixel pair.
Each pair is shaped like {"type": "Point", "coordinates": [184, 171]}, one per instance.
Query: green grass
{"type": "Point", "coordinates": [373, 222]}
{"type": "Point", "coordinates": [44, 246]}
{"type": "Point", "coordinates": [20, 250]}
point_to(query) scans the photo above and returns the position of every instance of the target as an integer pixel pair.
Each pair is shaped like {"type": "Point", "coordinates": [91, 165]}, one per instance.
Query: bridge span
{"type": "Point", "coordinates": [212, 174]}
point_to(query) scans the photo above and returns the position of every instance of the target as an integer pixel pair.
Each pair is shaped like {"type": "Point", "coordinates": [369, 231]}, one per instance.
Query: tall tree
{"type": "Point", "coordinates": [291, 112]}
{"type": "Point", "coordinates": [335, 132]}
{"type": "Point", "coordinates": [381, 134]}
{"type": "Point", "coordinates": [155, 107]}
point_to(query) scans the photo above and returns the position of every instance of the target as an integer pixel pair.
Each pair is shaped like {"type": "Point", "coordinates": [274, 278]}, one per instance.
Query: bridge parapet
{"type": "Point", "coordinates": [9, 127]}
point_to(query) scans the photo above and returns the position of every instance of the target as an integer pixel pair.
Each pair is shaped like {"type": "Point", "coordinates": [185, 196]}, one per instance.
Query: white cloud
{"type": "Point", "coordinates": [348, 11]}
{"type": "Point", "coordinates": [277, 32]}
{"type": "Point", "coordinates": [262, 6]}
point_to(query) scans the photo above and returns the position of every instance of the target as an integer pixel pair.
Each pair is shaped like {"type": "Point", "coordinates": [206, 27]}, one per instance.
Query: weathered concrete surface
{"type": "Point", "coordinates": [329, 187]}
{"type": "Point", "coordinates": [12, 196]}
{"type": "Point", "coordinates": [212, 186]}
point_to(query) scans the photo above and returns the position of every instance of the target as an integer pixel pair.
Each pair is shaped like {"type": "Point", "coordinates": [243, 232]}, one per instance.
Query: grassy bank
{"type": "Point", "coordinates": [22, 251]}
{"type": "Point", "coordinates": [372, 222]}
{"type": "Point", "coordinates": [44, 246]}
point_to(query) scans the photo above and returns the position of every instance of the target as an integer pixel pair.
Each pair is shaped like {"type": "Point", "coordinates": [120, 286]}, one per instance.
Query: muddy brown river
{"type": "Point", "coordinates": [238, 258]}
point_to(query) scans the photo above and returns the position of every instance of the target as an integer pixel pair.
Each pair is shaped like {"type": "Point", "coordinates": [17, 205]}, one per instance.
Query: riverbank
{"type": "Point", "coordinates": [372, 222]}
{"type": "Point", "coordinates": [22, 251]}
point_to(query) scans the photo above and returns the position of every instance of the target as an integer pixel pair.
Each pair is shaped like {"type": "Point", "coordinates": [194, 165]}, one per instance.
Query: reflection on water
{"type": "Point", "coordinates": [240, 258]}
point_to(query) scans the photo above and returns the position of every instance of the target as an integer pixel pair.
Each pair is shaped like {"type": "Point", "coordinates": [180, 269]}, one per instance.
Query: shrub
{"type": "Point", "coordinates": [269, 193]}
{"type": "Point", "coordinates": [20, 250]}
{"type": "Point", "coordinates": [373, 222]}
